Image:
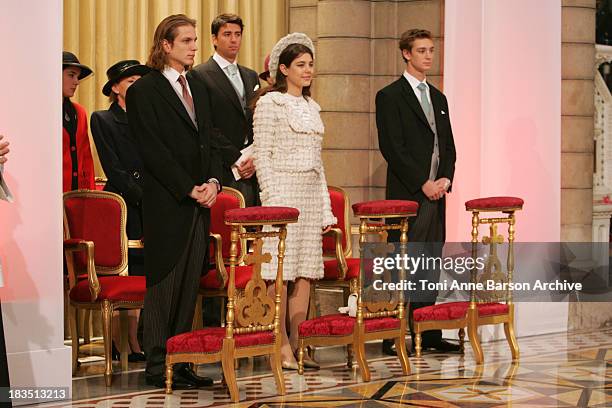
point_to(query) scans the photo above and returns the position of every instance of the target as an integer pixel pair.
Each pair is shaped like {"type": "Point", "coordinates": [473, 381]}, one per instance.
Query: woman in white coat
{"type": "Point", "coordinates": [288, 134]}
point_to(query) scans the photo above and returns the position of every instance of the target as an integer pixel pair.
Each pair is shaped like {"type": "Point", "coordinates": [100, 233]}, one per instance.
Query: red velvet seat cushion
{"type": "Point", "coordinates": [456, 310]}
{"type": "Point", "coordinates": [385, 207]}
{"type": "Point", "coordinates": [342, 325]}
{"type": "Point", "coordinates": [243, 275]}
{"type": "Point", "coordinates": [494, 203]}
{"type": "Point", "coordinates": [210, 340]}
{"type": "Point", "coordinates": [114, 288]}
{"type": "Point", "coordinates": [262, 214]}
{"type": "Point", "coordinates": [330, 268]}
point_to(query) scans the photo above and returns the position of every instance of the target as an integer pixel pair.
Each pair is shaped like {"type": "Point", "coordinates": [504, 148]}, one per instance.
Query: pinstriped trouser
{"type": "Point", "coordinates": [170, 304]}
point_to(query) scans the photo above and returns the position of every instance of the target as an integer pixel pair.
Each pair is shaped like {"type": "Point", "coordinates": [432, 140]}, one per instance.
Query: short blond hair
{"type": "Point", "coordinates": [407, 39]}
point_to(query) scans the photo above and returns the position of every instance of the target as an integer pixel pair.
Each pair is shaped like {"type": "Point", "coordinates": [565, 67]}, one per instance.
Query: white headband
{"type": "Point", "coordinates": [293, 38]}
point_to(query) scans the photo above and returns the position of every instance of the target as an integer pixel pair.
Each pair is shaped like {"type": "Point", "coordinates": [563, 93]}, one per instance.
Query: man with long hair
{"type": "Point", "coordinates": [169, 115]}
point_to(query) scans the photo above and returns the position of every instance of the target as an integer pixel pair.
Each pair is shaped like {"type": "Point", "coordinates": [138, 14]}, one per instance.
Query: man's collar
{"type": "Point", "coordinates": [171, 73]}
{"type": "Point", "coordinates": [222, 62]}
{"type": "Point", "coordinates": [414, 83]}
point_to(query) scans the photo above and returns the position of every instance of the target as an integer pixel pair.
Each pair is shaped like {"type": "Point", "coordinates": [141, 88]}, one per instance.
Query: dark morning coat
{"type": "Point", "coordinates": [406, 141]}
{"type": "Point", "coordinates": [120, 159]}
{"type": "Point", "coordinates": [227, 113]}
{"type": "Point", "coordinates": [177, 155]}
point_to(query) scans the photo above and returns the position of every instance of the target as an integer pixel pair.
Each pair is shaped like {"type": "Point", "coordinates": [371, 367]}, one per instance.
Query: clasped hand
{"type": "Point", "coordinates": [205, 195]}
{"type": "Point", "coordinates": [434, 190]}
{"type": "Point", "coordinates": [247, 169]}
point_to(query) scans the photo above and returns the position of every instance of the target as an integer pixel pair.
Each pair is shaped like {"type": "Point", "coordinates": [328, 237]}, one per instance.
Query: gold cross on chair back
{"type": "Point", "coordinates": [253, 306]}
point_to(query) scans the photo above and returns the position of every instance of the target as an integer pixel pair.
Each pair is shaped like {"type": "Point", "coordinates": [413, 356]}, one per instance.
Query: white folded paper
{"type": "Point", "coordinates": [247, 153]}
{"type": "Point", "coordinates": [351, 309]}
{"type": "Point", "coordinates": [5, 193]}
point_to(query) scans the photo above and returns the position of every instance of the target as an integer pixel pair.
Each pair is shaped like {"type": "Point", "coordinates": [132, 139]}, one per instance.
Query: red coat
{"type": "Point", "coordinates": [84, 158]}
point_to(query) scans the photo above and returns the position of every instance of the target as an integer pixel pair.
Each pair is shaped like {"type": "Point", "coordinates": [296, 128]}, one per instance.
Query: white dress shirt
{"type": "Point", "coordinates": [223, 63]}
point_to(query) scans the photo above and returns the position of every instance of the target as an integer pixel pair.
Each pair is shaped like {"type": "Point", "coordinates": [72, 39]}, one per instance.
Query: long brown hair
{"type": "Point", "coordinates": [166, 30]}
{"type": "Point", "coordinates": [289, 54]}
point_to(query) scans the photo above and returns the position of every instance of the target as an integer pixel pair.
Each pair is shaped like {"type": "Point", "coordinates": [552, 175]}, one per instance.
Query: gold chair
{"type": "Point", "coordinates": [381, 315]}
{"type": "Point", "coordinates": [484, 307]}
{"type": "Point", "coordinates": [253, 318]}
{"type": "Point", "coordinates": [96, 249]}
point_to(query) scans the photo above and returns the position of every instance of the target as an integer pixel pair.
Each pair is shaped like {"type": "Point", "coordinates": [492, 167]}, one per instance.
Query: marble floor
{"type": "Point", "coordinates": [557, 370]}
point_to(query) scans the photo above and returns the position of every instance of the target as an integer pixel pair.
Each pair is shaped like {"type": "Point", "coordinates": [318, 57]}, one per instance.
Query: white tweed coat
{"type": "Point", "coordinates": [288, 135]}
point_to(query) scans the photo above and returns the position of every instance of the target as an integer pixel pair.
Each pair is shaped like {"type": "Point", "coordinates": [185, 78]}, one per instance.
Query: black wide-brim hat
{"type": "Point", "coordinates": [71, 60]}
{"type": "Point", "coordinates": [123, 69]}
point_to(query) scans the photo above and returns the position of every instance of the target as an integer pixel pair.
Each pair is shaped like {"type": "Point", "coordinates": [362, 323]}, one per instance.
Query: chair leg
{"type": "Point", "coordinates": [277, 370]}
{"type": "Point", "coordinates": [362, 361]}
{"type": "Point", "coordinates": [402, 354]}
{"type": "Point", "coordinates": [475, 342]}
{"type": "Point", "coordinates": [107, 315]}
{"type": "Point", "coordinates": [417, 342]}
{"type": "Point", "coordinates": [511, 338]}
{"type": "Point", "coordinates": [74, 335]}
{"type": "Point", "coordinates": [300, 357]}
{"type": "Point", "coordinates": [86, 326]}
{"type": "Point", "coordinates": [227, 363]}
{"type": "Point", "coordinates": [462, 340]}
{"type": "Point", "coordinates": [123, 339]}
{"type": "Point", "coordinates": [349, 356]}
{"type": "Point", "coordinates": [169, 375]}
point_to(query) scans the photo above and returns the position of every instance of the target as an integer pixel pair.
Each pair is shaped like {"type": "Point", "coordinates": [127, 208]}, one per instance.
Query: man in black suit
{"type": "Point", "coordinates": [231, 88]}
{"type": "Point", "coordinates": [416, 139]}
{"type": "Point", "coordinates": [169, 114]}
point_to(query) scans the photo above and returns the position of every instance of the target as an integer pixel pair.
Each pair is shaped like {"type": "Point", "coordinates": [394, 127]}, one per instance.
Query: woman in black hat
{"type": "Point", "coordinates": [122, 165]}
{"type": "Point", "coordinates": [77, 163]}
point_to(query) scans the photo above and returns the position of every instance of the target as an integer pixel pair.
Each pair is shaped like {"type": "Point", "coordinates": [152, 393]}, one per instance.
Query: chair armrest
{"type": "Point", "coordinates": [342, 266]}
{"type": "Point", "coordinates": [217, 241]}
{"type": "Point", "coordinates": [135, 243]}
{"type": "Point", "coordinates": [78, 245]}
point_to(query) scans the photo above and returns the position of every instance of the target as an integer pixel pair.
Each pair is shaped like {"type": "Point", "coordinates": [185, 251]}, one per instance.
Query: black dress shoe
{"type": "Point", "coordinates": [178, 383]}
{"type": "Point", "coordinates": [187, 373]}
{"type": "Point", "coordinates": [136, 357]}
{"type": "Point", "coordinates": [446, 347]}
{"type": "Point", "coordinates": [388, 348]}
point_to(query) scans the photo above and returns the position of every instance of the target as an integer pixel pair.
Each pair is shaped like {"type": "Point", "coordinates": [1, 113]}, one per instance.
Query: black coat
{"type": "Point", "coordinates": [177, 156]}
{"type": "Point", "coordinates": [120, 159]}
{"type": "Point", "coordinates": [227, 113]}
{"type": "Point", "coordinates": [406, 141]}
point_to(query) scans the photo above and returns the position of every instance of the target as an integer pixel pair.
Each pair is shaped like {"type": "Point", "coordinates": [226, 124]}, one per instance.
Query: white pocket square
{"type": "Point", "coordinates": [443, 113]}
{"type": "Point", "coordinates": [256, 87]}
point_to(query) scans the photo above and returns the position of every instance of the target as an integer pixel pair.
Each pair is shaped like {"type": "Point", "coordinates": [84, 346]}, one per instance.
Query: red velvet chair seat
{"type": "Point", "coordinates": [494, 203]}
{"type": "Point", "coordinates": [456, 310]}
{"type": "Point", "coordinates": [261, 214]}
{"type": "Point", "coordinates": [243, 275]}
{"type": "Point", "coordinates": [210, 340]}
{"type": "Point", "coordinates": [342, 325]}
{"type": "Point", "coordinates": [385, 207]}
{"type": "Point", "coordinates": [330, 269]}
{"type": "Point", "coordinates": [114, 288]}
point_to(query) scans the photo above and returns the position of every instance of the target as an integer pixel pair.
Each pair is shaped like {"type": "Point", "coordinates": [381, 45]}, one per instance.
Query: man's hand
{"type": "Point", "coordinates": [3, 150]}
{"type": "Point", "coordinates": [444, 183]}
{"type": "Point", "coordinates": [247, 169]}
{"type": "Point", "coordinates": [205, 195]}
{"type": "Point", "coordinates": [432, 190]}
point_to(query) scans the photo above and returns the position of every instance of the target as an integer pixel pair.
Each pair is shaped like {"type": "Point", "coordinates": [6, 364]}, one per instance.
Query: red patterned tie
{"type": "Point", "coordinates": [186, 95]}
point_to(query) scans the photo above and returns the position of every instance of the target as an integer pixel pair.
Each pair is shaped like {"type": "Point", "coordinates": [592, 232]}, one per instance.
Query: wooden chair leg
{"type": "Point", "coordinates": [227, 363]}
{"type": "Point", "coordinates": [107, 315]}
{"type": "Point", "coordinates": [462, 340]}
{"type": "Point", "coordinates": [417, 342]}
{"type": "Point", "coordinates": [402, 354]}
{"type": "Point", "coordinates": [277, 370]}
{"type": "Point", "coordinates": [169, 374]}
{"type": "Point", "coordinates": [123, 339]}
{"type": "Point", "coordinates": [511, 338]}
{"type": "Point", "coordinates": [87, 326]}
{"type": "Point", "coordinates": [300, 356]}
{"type": "Point", "coordinates": [362, 361]}
{"type": "Point", "coordinates": [475, 342]}
{"type": "Point", "coordinates": [74, 335]}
